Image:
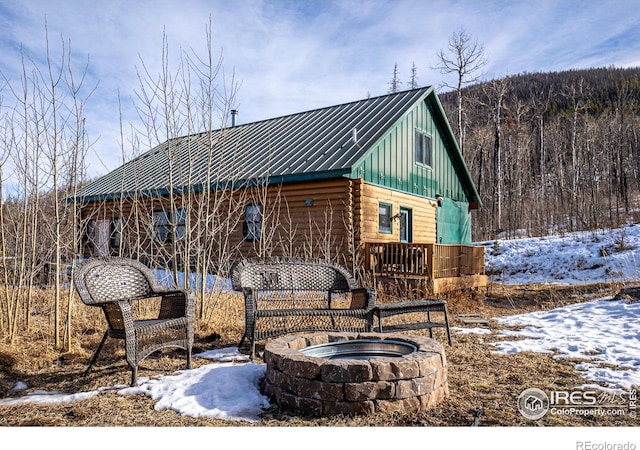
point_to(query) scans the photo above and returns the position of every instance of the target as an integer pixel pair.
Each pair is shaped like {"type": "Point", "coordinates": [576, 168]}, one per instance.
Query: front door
{"type": "Point", "coordinates": [405, 225]}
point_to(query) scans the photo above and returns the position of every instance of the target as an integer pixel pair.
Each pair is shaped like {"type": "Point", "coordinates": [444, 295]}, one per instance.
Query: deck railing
{"type": "Point", "coordinates": [432, 261]}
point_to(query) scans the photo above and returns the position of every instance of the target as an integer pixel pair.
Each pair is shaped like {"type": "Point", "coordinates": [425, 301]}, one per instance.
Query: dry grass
{"type": "Point", "coordinates": [482, 384]}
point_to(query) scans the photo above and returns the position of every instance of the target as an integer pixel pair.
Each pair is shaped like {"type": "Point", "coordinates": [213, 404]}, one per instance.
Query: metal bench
{"type": "Point", "coordinates": [384, 310]}
{"type": "Point", "coordinates": [294, 295]}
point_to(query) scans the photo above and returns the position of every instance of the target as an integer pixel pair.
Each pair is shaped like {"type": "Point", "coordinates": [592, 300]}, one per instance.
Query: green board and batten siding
{"type": "Point", "coordinates": [391, 163]}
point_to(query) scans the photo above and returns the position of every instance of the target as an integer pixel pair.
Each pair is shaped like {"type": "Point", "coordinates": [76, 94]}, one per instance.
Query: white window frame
{"type": "Point", "coordinates": [385, 223]}
{"type": "Point", "coordinates": [424, 148]}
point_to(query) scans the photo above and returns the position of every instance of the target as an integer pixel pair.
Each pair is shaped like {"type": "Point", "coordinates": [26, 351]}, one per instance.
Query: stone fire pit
{"type": "Point", "coordinates": [325, 374]}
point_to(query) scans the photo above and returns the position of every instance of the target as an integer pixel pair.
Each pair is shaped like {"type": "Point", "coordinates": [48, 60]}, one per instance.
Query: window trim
{"type": "Point", "coordinates": [252, 229]}
{"type": "Point", "coordinates": [382, 229]}
{"type": "Point", "coordinates": [423, 140]}
{"type": "Point", "coordinates": [162, 225]}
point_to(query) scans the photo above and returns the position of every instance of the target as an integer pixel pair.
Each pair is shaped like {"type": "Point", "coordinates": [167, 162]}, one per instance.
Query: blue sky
{"type": "Point", "coordinates": [292, 56]}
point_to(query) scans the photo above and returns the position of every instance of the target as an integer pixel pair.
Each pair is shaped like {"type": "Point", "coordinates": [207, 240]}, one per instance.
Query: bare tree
{"type": "Point", "coordinates": [540, 101]}
{"type": "Point", "coordinates": [466, 59]}
{"type": "Point", "coordinates": [5, 137]}
{"type": "Point", "coordinates": [395, 83]}
{"type": "Point", "coordinates": [181, 107]}
{"type": "Point", "coordinates": [75, 174]}
{"type": "Point", "coordinates": [493, 98]}
{"type": "Point", "coordinates": [413, 79]}
{"type": "Point", "coordinates": [576, 95]}
{"type": "Point", "coordinates": [47, 145]}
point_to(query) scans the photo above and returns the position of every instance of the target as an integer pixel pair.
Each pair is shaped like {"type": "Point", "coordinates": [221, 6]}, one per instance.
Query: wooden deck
{"type": "Point", "coordinates": [441, 267]}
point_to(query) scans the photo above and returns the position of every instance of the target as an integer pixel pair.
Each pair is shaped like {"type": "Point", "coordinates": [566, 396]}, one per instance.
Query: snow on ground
{"type": "Point", "coordinates": [604, 333]}
{"type": "Point", "coordinates": [573, 258]}
{"type": "Point", "coordinates": [226, 389]}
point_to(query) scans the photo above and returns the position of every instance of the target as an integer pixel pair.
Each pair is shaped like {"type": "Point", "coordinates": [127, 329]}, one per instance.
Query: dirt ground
{"type": "Point", "coordinates": [484, 386]}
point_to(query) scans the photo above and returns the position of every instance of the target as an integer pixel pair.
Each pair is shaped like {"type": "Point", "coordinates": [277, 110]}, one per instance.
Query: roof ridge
{"type": "Point", "coordinates": [315, 144]}
{"type": "Point", "coordinates": [284, 116]}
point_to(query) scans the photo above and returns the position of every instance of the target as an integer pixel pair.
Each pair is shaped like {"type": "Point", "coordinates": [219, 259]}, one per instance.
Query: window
{"type": "Point", "coordinates": [102, 229]}
{"type": "Point", "coordinates": [252, 223]}
{"type": "Point", "coordinates": [117, 224]}
{"type": "Point", "coordinates": [384, 218]}
{"type": "Point", "coordinates": [423, 148]}
{"type": "Point", "coordinates": [181, 224]}
{"type": "Point", "coordinates": [89, 237]}
{"type": "Point", "coordinates": [162, 226]}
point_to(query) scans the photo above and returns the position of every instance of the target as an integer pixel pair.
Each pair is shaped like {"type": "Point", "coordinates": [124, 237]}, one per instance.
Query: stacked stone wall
{"type": "Point", "coordinates": [323, 387]}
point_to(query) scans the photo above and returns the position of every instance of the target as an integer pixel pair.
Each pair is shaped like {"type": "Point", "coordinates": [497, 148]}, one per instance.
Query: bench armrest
{"type": "Point", "coordinates": [363, 298]}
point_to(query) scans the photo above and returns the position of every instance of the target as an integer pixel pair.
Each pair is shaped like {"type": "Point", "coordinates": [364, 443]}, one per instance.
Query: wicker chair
{"type": "Point", "coordinates": [112, 284]}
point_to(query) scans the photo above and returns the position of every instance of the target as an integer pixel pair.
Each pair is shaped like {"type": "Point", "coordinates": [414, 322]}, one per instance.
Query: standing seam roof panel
{"type": "Point", "coordinates": [302, 144]}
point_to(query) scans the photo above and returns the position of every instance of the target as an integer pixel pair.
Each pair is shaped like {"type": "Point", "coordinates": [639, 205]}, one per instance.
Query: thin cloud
{"type": "Point", "coordinates": [291, 56]}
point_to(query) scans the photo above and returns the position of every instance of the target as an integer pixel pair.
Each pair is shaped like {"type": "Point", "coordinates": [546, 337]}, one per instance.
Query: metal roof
{"type": "Point", "coordinates": [320, 143]}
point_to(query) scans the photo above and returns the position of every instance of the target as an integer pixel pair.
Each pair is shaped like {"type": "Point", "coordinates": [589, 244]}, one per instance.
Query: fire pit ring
{"type": "Point", "coordinates": [325, 374]}
{"type": "Point", "coordinates": [360, 349]}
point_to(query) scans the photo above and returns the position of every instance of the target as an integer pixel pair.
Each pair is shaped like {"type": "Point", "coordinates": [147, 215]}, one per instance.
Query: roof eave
{"type": "Point", "coordinates": [273, 180]}
{"type": "Point", "coordinates": [472, 193]}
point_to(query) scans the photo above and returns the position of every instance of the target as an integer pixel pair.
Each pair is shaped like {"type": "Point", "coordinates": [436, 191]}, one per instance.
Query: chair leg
{"type": "Point", "coordinates": [189, 358]}
{"type": "Point", "coordinates": [134, 376]}
{"type": "Point", "coordinates": [97, 352]}
{"type": "Point", "coordinates": [370, 321]}
{"type": "Point", "coordinates": [446, 321]}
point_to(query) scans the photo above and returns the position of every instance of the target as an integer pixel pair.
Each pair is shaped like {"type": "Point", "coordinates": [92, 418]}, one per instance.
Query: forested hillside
{"type": "Point", "coordinates": [552, 152]}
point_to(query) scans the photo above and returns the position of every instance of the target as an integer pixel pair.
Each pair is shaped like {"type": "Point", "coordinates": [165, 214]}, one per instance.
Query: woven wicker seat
{"type": "Point", "coordinates": [293, 295]}
{"type": "Point", "coordinates": [112, 284]}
